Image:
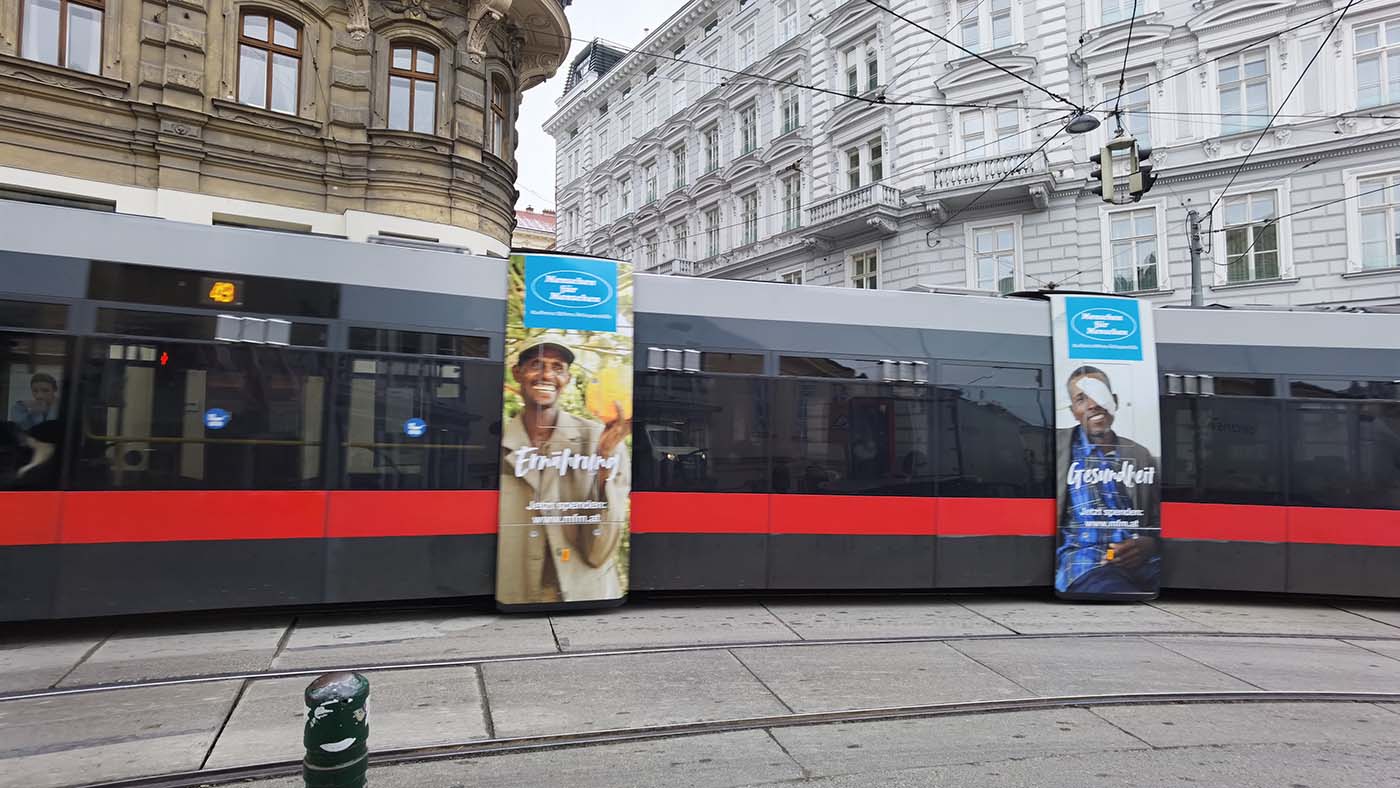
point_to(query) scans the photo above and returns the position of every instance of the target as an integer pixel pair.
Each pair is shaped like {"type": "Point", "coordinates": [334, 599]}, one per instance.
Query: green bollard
{"type": "Point", "coordinates": [337, 732]}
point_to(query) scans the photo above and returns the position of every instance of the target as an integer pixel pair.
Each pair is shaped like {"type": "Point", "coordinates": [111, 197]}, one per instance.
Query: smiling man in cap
{"type": "Point", "coordinates": [564, 486]}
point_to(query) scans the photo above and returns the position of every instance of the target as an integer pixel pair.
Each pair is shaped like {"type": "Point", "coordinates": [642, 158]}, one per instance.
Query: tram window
{"type": "Point", "coordinates": [194, 416]}
{"type": "Point", "coordinates": [1345, 389]}
{"type": "Point", "coordinates": [1345, 455]}
{"type": "Point", "coordinates": [146, 284]}
{"type": "Point", "coordinates": [995, 442]}
{"type": "Point", "coordinates": [384, 340]}
{"type": "Point", "coordinates": [414, 424]}
{"type": "Point", "coordinates": [1222, 451]}
{"type": "Point", "coordinates": [1243, 387]}
{"type": "Point", "coordinates": [988, 375]}
{"type": "Point", "coordinates": [821, 367]}
{"type": "Point", "coordinates": [852, 439]}
{"type": "Point", "coordinates": [32, 388]}
{"type": "Point", "coordinates": [734, 363]}
{"type": "Point", "coordinates": [132, 322]}
{"type": "Point", "coordinates": [693, 433]}
{"type": "Point", "coordinates": [309, 334]}
{"type": "Point", "coordinates": [28, 314]}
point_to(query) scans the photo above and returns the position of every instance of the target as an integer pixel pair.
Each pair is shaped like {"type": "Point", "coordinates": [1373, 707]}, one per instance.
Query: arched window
{"type": "Point", "coordinates": [269, 62]}
{"type": "Point", "coordinates": [500, 116]}
{"type": "Point", "coordinates": [413, 80]}
{"type": "Point", "coordinates": [64, 33]}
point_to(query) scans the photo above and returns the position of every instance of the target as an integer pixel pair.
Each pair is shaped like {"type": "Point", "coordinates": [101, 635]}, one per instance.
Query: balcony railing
{"type": "Point", "coordinates": [872, 195]}
{"type": "Point", "coordinates": [983, 171]}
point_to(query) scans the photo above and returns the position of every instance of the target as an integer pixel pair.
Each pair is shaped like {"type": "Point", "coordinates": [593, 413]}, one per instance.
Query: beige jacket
{"type": "Point", "coordinates": [541, 562]}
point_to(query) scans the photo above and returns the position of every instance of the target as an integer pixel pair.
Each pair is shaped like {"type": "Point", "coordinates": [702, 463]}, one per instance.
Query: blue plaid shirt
{"type": "Point", "coordinates": [1084, 547]}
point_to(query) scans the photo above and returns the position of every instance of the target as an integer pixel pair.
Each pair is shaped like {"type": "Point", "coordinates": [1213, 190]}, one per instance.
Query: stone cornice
{"type": "Point", "coordinates": [67, 79]}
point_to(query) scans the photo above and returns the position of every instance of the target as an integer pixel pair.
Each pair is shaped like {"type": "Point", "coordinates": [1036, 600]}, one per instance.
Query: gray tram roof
{"type": "Point", "coordinates": [71, 232]}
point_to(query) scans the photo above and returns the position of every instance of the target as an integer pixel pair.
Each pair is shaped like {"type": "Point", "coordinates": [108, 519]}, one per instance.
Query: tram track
{"type": "Point", "coordinates": [595, 738]}
{"type": "Point", "coordinates": [474, 661]}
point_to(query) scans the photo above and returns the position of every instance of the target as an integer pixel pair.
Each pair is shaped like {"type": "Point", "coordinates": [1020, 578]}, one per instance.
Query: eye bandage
{"type": "Point", "coordinates": [1099, 392]}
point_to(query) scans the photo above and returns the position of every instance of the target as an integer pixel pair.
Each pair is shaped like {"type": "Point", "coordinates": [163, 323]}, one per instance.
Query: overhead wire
{"type": "Point", "coordinates": [936, 42]}
{"type": "Point", "coordinates": [1123, 75]}
{"type": "Point", "coordinates": [1301, 74]}
{"type": "Point", "coordinates": [998, 181]}
{"type": "Point", "coordinates": [1052, 94]}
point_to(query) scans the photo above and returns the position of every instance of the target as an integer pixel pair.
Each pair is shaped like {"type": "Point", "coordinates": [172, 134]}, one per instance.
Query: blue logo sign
{"type": "Point", "coordinates": [216, 418]}
{"type": "Point", "coordinates": [414, 428]}
{"type": "Point", "coordinates": [570, 292]}
{"type": "Point", "coordinates": [1103, 329]}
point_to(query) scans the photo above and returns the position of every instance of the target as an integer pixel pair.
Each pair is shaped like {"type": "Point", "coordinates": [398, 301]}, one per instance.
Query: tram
{"type": "Point", "coordinates": [783, 437]}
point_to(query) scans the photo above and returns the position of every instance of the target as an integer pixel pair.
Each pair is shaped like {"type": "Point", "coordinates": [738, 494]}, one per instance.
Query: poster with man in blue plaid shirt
{"type": "Point", "coordinates": [1108, 440]}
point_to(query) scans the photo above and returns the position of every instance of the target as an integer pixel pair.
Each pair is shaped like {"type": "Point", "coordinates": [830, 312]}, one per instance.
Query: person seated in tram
{"type": "Point", "coordinates": [27, 414]}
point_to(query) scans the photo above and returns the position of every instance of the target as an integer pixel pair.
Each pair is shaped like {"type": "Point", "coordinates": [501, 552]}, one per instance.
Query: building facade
{"type": "Point", "coordinates": [533, 229]}
{"type": "Point", "coordinates": [352, 118]}
{"type": "Point", "coordinates": [868, 153]}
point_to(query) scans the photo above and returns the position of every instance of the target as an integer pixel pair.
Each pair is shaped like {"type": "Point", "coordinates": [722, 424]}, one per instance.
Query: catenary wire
{"type": "Point", "coordinates": [1301, 74]}
{"type": "Point", "coordinates": [1000, 180]}
{"type": "Point", "coordinates": [1291, 214]}
{"type": "Point", "coordinates": [1123, 75]}
{"type": "Point", "coordinates": [936, 42]}
{"type": "Point", "coordinates": [1052, 94]}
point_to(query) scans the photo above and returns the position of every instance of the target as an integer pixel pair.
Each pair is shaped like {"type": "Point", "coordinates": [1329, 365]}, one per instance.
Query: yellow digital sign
{"type": "Point", "coordinates": [221, 292]}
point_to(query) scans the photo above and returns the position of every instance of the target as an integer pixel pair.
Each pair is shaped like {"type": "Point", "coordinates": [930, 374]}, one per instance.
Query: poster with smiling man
{"type": "Point", "coordinates": [562, 537]}
{"type": "Point", "coordinates": [1108, 444]}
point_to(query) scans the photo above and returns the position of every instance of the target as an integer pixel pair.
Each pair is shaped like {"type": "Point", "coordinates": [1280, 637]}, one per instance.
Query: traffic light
{"type": "Point", "coordinates": [1142, 179]}
{"type": "Point", "coordinates": [1103, 174]}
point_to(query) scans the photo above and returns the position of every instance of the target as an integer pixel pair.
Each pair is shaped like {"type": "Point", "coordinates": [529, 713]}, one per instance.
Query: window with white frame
{"type": "Point", "coordinates": [710, 221]}
{"type": "Point", "coordinates": [1243, 83]}
{"type": "Point", "coordinates": [972, 132]}
{"type": "Point", "coordinates": [861, 66]}
{"type": "Point", "coordinates": [649, 252]}
{"type": "Point", "coordinates": [1379, 206]}
{"type": "Point", "coordinates": [678, 92]}
{"type": "Point", "coordinates": [787, 20]}
{"type": "Point", "coordinates": [863, 270]}
{"type": "Point", "coordinates": [985, 24]}
{"type": "Point", "coordinates": [649, 112]}
{"type": "Point", "coordinates": [711, 138]}
{"type": "Point", "coordinates": [678, 240]}
{"type": "Point", "coordinates": [649, 177]}
{"type": "Point", "coordinates": [852, 169]}
{"type": "Point", "coordinates": [68, 33]}
{"type": "Point", "coordinates": [748, 205]}
{"type": "Point", "coordinates": [1251, 237]}
{"type": "Point", "coordinates": [791, 109]}
{"type": "Point", "coordinates": [1132, 250]}
{"type": "Point", "coordinates": [604, 142]}
{"type": "Point", "coordinates": [1136, 104]}
{"type": "Point", "coordinates": [793, 277]}
{"type": "Point", "coordinates": [572, 168]}
{"type": "Point", "coordinates": [792, 202]}
{"type": "Point", "coordinates": [604, 203]}
{"type": "Point", "coordinates": [625, 127]}
{"type": "Point", "coordinates": [864, 163]}
{"type": "Point", "coordinates": [748, 128]}
{"type": "Point", "coordinates": [1005, 122]}
{"type": "Point", "coordinates": [746, 46]}
{"type": "Point", "coordinates": [994, 257]}
{"type": "Point", "coordinates": [875, 159]}
{"type": "Point", "coordinates": [1118, 10]}
{"type": "Point", "coordinates": [624, 196]}
{"type": "Point", "coordinates": [678, 169]}
{"type": "Point", "coordinates": [1377, 52]}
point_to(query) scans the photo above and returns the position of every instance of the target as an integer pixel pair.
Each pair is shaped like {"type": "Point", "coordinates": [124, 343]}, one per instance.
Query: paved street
{"type": "Point", "coordinates": [723, 660]}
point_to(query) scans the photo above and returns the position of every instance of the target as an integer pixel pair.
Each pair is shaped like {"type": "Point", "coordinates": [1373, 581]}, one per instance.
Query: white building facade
{"type": "Point", "coordinates": [693, 170]}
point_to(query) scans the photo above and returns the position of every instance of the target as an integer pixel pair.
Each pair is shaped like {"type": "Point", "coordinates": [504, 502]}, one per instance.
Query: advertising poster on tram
{"type": "Point", "coordinates": [1108, 448]}
{"type": "Point", "coordinates": [563, 537]}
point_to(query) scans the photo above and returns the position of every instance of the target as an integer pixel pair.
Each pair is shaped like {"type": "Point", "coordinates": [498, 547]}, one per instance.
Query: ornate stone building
{"type": "Point", "coordinates": [353, 118]}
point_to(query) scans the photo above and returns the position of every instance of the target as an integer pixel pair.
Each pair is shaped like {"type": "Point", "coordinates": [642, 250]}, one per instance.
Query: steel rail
{"type": "Point", "coordinates": [380, 667]}
{"type": "Point", "coordinates": [556, 741]}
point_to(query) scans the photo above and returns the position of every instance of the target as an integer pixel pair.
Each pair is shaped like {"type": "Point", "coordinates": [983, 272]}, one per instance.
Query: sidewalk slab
{"type": "Point", "coordinates": [408, 708]}
{"type": "Point", "coordinates": [838, 619]}
{"type": "Point", "coordinates": [629, 691]}
{"type": "Point", "coordinates": [829, 678]}
{"type": "Point", "coordinates": [860, 748]}
{"type": "Point", "coordinates": [1079, 666]}
{"type": "Point", "coordinates": [1206, 725]}
{"type": "Point", "coordinates": [344, 640]}
{"type": "Point", "coordinates": [669, 625]}
{"type": "Point", "coordinates": [37, 663]}
{"type": "Point", "coordinates": [1388, 614]}
{"type": "Point", "coordinates": [77, 739]}
{"type": "Point", "coordinates": [1274, 618]}
{"type": "Point", "coordinates": [1051, 616]}
{"type": "Point", "coordinates": [1283, 664]}
{"type": "Point", "coordinates": [217, 646]}
{"type": "Point", "coordinates": [725, 760]}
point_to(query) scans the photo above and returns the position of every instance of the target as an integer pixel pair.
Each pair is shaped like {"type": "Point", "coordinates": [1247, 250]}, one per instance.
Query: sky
{"type": "Point", "coordinates": [624, 22]}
